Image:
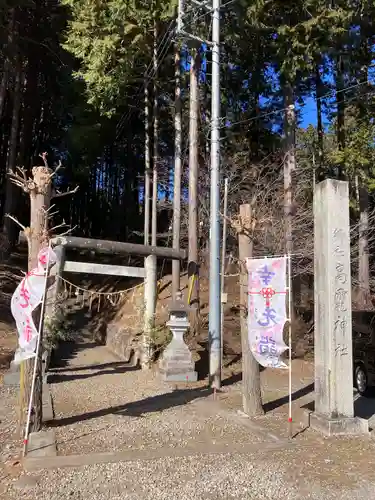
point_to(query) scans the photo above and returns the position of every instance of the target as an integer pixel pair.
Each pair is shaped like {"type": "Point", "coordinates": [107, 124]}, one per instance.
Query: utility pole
{"type": "Point", "coordinates": [214, 289]}
{"type": "Point", "coordinates": [156, 140]}
{"type": "Point", "coordinates": [150, 261]}
{"type": "Point", "coordinates": [177, 173]}
{"type": "Point", "coordinates": [193, 188]}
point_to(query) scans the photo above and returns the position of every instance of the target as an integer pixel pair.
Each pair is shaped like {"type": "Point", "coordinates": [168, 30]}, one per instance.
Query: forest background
{"type": "Point", "coordinates": [297, 103]}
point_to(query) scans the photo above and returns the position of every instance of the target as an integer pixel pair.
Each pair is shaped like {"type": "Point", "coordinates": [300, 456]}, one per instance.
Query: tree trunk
{"type": "Point", "coordinates": [363, 250]}
{"type": "Point", "coordinates": [289, 168]}
{"type": "Point", "coordinates": [3, 87]}
{"type": "Point", "coordinates": [40, 200]}
{"type": "Point", "coordinates": [12, 194]}
{"type": "Point", "coordinates": [10, 48]}
{"type": "Point", "coordinates": [31, 105]}
{"type": "Point", "coordinates": [251, 393]}
{"type": "Point", "coordinates": [289, 164]}
{"type": "Point", "coordinates": [177, 174]}
{"type": "Point", "coordinates": [193, 191]}
{"type": "Point", "coordinates": [363, 195]}
{"type": "Point", "coordinates": [319, 94]}
{"type": "Point", "coordinates": [147, 168]}
{"type": "Point", "coordinates": [340, 111]}
{"type": "Point", "coordinates": [156, 142]}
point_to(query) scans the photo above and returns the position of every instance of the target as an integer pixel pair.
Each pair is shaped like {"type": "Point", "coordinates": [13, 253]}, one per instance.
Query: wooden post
{"type": "Point", "coordinates": [40, 200]}
{"type": "Point", "coordinates": [193, 190]}
{"type": "Point", "coordinates": [41, 191]}
{"type": "Point", "coordinates": [251, 394]}
{"type": "Point", "coordinates": [177, 174]}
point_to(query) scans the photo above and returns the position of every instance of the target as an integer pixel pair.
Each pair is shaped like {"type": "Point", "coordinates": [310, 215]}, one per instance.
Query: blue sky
{"type": "Point", "coordinates": [308, 113]}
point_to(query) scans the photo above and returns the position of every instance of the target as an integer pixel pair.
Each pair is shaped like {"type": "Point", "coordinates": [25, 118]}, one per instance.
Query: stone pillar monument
{"type": "Point", "coordinates": [176, 364]}
{"type": "Point", "coordinates": [334, 409]}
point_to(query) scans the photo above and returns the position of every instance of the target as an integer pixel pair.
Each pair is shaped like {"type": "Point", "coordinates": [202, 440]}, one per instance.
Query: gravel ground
{"type": "Point", "coordinates": [131, 409]}
{"type": "Point", "coordinates": [108, 407]}
{"type": "Point", "coordinates": [218, 477]}
{"type": "Point", "coordinates": [10, 444]}
{"type": "Point", "coordinates": [8, 421]}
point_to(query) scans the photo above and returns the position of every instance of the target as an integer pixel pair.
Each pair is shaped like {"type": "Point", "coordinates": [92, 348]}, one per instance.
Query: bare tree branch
{"type": "Point", "coordinates": [20, 180]}
{"type": "Point", "coordinates": [58, 194]}
{"type": "Point", "coordinates": [16, 221]}
{"type": "Point", "coordinates": [68, 231]}
{"type": "Point", "coordinates": [63, 224]}
{"type": "Point", "coordinates": [22, 171]}
{"type": "Point", "coordinates": [59, 167]}
{"type": "Point", "coordinates": [44, 158]}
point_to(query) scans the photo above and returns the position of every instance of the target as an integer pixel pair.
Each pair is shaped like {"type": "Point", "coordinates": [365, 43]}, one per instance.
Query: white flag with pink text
{"type": "Point", "coordinates": [27, 297]}
{"type": "Point", "coordinates": [267, 291]}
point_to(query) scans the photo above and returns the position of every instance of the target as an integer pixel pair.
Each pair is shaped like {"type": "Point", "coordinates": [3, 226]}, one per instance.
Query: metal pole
{"type": "Point", "coordinates": [149, 313]}
{"type": "Point", "coordinates": [177, 174]}
{"type": "Point", "coordinates": [214, 291]}
{"type": "Point", "coordinates": [223, 253]}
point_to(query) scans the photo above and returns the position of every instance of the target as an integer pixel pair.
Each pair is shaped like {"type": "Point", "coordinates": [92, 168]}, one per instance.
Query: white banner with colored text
{"type": "Point", "coordinates": [27, 297]}
{"type": "Point", "coordinates": [267, 292]}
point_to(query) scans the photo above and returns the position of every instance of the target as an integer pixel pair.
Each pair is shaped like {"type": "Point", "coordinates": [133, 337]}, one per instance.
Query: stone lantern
{"type": "Point", "coordinates": [176, 364]}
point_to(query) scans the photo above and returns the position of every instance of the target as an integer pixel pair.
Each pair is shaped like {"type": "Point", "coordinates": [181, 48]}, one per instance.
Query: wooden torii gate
{"type": "Point", "coordinates": [148, 272]}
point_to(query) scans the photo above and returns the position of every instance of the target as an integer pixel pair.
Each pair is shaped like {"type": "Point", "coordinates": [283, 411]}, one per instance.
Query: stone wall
{"type": "Point", "coordinates": [124, 333]}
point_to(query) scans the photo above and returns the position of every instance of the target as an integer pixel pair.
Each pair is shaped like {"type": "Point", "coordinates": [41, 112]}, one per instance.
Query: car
{"type": "Point", "coordinates": [363, 358]}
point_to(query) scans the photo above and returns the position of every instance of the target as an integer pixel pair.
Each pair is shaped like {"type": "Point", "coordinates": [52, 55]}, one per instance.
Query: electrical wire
{"type": "Point", "coordinates": [331, 93]}
{"type": "Point", "coordinates": [150, 76]}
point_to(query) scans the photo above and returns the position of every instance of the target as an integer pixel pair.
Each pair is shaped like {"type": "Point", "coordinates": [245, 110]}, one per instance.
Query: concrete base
{"type": "Point", "coordinates": [11, 379]}
{"type": "Point", "coordinates": [342, 426]}
{"type": "Point", "coordinates": [201, 449]}
{"type": "Point", "coordinates": [42, 444]}
{"type": "Point", "coordinates": [47, 408]}
{"type": "Point", "coordinates": [179, 377]}
{"type": "Point", "coordinates": [12, 376]}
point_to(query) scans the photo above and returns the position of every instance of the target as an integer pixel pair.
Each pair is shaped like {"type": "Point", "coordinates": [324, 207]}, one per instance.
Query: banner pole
{"type": "Point", "coordinates": [26, 436]}
{"type": "Point", "coordinates": [290, 420]}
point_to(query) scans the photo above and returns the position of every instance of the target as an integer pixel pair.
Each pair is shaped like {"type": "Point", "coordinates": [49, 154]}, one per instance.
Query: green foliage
{"type": "Point", "coordinates": [358, 155]}
{"type": "Point", "coordinates": [112, 39]}
{"type": "Point", "coordinates": [57, 329]}
{"type": "Point", "coordinates": [84, 66]}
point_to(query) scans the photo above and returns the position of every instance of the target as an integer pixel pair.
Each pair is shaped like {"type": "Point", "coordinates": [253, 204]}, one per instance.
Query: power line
{"type": "Point", "coordinates": [331, 93]}
{"type": "Point", "coordinates": [149, 77]}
